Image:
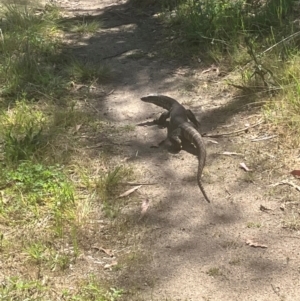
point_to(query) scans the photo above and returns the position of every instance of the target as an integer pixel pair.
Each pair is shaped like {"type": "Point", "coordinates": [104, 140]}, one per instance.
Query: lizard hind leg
{"type": "Point", "coordinates": [191, 116]}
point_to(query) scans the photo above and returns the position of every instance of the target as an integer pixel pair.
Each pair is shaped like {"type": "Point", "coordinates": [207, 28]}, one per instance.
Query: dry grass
{"type": "Point", "coordinates": [51, 199]}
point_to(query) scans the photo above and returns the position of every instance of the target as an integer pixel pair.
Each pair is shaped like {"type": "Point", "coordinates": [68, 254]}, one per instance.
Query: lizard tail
{"type": "Point", "coordinates": [192, 135]}
{"type": "Point", "coordinates": [201, 186]}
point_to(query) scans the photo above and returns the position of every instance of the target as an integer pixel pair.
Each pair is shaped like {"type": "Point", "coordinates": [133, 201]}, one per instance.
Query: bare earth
{"type": "Point", "coordinates": [187, 249]}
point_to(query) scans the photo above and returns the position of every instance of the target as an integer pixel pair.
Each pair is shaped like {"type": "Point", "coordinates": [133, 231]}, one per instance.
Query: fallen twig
{"type": "Point", "coordinates": [282, 41]}
{"type": "Point", "coordinates": [134, 183]}
{"type": "Point", "coordinates": [231, 154]}
{"type": "Point", "coordinates": [213, 141]}
{"type": "Point", "coordinates": [130, 191]}
{"type": "Point", "coordinates": [284, 182]}
{"type": "Point", "coordinates": [106, 144]}
{"type": "Point", "coordinates": [254, 244]}
{"type": "Point", "coordinates": [108, 252]}
{"type": "Point", "coordinates": [111, 92]}
{"type": "Point", "coordinates": [233, 132]}
{"type": "Point", "coordinates": [244, 88]}
{"type": "Point", "coordinates": [264, 138]}
{"type": "Point", "coordinates": [114, 55]}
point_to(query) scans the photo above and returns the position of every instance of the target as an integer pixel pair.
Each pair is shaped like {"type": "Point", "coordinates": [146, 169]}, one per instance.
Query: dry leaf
{"type": "Point", "coordinates": [145, 206]}
{"type": "Point", "coordinates": [244, 166]}
{"type": "Point", "coordinates": [111, 92]}
{"type": "Point", "coordinates": [205, 71]}
{"type": "Point", "coordinates": [296, 173]}
{"type": "Point", "coordinates": [130, 191]}
{"type": "Point", "coordinates": [251, 243]}
{"type": "Point", "coordinates": [77, 87]}
{"type": "Point", "coordinates": [264, 208]}
{"type": "Point", "coordinates": [77, 127]}
{"type": "Point", "coordinates": [110, 265]}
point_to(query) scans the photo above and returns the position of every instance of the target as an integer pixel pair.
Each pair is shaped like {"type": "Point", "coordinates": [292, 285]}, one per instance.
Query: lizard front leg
{"type": "Point", "coordinates": [163, 118]}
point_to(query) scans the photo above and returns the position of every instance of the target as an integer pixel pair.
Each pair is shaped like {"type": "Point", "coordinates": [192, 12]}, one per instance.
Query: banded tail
{"type": "Point", "coordinates": [193, 136]}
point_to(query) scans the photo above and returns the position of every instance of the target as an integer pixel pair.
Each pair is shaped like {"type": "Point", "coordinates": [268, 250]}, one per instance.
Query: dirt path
{"type": "Point", "coordinates": [193, 250]}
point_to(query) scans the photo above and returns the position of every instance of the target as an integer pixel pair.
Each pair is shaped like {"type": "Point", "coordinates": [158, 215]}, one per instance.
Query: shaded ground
{"type": "Point", "coordinates": [188, 249]}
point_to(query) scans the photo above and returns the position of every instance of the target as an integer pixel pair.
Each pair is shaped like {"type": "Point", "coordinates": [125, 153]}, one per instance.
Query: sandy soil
{"type": "Point", "coordinates": [189, 249]}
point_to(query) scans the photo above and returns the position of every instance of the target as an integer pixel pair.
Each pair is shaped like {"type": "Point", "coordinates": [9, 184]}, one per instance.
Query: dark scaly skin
{"type": "Point", "coordinates": [192, 135]}
{"type": "Point", "coordinates": [167, 103]}
{"type": "Point", "coordinates": [179, 128]}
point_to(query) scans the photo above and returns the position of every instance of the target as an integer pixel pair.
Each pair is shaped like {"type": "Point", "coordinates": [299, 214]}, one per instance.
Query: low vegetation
{"type": "Point", "coordinates": [256, 40]}
{"type": "Point", "coordinates": [47, 195]}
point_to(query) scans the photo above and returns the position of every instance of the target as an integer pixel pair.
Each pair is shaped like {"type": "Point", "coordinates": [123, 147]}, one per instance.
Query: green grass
{"type": "Point", "coordinates": [90, 290]}
{"type": "Point", "coordinates": [291, 221]}
{"type": "Point", "coordinates": [106, 187]}
{"type": "Point", "coordinates": [51, 186]}
{"type": "Point", "coordinates": [214, 272]}
{"type": "Point", "coordinates": [253, 225]}
{"type": "Point", "coordinates": [85, 27]}
{"type": "Point", "coordinates": [255, 42]}
{"type": "Point", "coordinates": [29, 49]}
{"type": "Point", "coordinates": [88, 73]}
{"type": "Point", "coordinates": [22, 131]}
{"type": "Point", "coordinates": [34, 190]}
{"type": "Point", "coordinates": [223, 24]}
{"type": "Point", "coordinates": [32, 60]}
{"type": "Point", "coordinates": [15, 288]}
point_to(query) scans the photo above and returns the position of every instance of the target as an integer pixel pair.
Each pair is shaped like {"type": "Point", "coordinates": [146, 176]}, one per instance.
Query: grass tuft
{"type": "Point", "coordinates": [85, 27]}
{"type": "Point", "coordinates": [87, 72]}
{"type": "Point", "coordinates": [15, 288]}
{"type": "Point", "coordinates": [21, 131]}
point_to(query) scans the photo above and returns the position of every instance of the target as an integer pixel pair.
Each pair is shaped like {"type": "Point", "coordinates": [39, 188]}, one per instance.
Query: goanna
{"type": "Point", "coordinates": [179, 127]}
